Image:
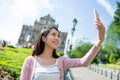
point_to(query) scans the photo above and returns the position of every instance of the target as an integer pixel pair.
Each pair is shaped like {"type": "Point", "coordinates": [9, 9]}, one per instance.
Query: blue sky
{"type": "Point", "coordinates": [15, 13]}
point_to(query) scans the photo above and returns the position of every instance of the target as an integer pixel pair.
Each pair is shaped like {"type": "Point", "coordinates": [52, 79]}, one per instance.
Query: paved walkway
{"type": "Point", "coordinates": [86, 74]}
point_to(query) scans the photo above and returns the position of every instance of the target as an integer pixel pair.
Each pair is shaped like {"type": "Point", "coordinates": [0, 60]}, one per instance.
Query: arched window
{"type": "Point", "coordinates": [28, 38]}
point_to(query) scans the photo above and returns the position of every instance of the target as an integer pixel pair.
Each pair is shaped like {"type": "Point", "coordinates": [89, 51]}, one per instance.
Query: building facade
{"type": "Point", "coordinates": [30, 33]}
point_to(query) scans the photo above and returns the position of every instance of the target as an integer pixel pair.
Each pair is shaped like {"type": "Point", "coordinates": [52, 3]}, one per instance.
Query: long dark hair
{"type": "Point", "coordinates": [39, 45]}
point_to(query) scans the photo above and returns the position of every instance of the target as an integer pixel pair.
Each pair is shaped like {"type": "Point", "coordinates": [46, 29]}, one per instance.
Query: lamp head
{"type": "Point", "coordinates": [74, 22]}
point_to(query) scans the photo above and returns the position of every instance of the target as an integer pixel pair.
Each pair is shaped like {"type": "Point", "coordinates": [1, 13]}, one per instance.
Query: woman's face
{"type": "Point", "coordinates": [52, 40]}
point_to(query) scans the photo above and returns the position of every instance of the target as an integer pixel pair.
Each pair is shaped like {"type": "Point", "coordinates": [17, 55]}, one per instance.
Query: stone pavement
{"type": "Point", "coordinates": [83, 73]}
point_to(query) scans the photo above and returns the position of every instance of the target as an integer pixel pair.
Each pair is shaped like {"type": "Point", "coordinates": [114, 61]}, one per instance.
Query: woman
{"type": "Point", "coordinates": [44, 64]}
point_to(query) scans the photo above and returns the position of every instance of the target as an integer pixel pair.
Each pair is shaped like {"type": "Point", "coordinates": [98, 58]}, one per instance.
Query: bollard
{"type": "Point", "coordinates": [111, 75]}
{"type": "Point", "coordinates": [118, 76]}
{"type": "Point", "coordinates": [101, 71]}
{"type": "Point", "coordinates": [98, 70]}
{"type": "Point", "coordinates": [95, 69]}
{"type": "Point", "coordinates": [92, 68]}
{"type": "Point", "coordinates": [105, 73]}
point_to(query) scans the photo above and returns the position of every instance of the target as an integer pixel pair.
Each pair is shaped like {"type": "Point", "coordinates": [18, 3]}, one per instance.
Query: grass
{"type": "Point", "coordinates": [11, 59]}
{"type": "Point", "coordinates": [115, 66]}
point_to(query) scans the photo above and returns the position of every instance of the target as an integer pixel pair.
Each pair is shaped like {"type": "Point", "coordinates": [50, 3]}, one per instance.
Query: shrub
{"type": "Point", "coordinates": [11, 60]}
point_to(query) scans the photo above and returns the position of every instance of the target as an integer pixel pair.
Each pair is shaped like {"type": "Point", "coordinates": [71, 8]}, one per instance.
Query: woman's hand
{"type": "Point", "coordinates": [101, 32]}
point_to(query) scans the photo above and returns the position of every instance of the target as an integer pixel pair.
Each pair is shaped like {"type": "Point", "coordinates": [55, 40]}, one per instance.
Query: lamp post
{"type": "Point", "coordinates": [67, 46]}
{"type": "Point", "coordinates": [72, 32]}
{"type": "Point", "coordinates": [70, 48]}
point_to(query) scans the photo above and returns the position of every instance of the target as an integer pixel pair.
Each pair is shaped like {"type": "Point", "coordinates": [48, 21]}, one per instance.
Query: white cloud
{"type": "Point", "coordinates": [29, 9]}
{"type": "Point", "coordinates": [107, 6]}
{"type": "Point", "coordinates": [14, 13]}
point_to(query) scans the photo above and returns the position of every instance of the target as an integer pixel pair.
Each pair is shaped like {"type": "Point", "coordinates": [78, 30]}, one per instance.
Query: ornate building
{"type": "Point", "coordinates": [29, 34]}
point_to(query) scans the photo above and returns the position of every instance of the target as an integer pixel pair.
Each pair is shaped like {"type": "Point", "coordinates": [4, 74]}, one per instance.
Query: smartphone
{"type": "Point", "coordinates": [96, 15]}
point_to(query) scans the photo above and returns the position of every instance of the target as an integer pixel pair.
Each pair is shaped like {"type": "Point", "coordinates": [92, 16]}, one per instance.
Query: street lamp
{"type": "Point", "coordinates": [72, 32]}
{"type": "Point", "coordinates": [70, 47]}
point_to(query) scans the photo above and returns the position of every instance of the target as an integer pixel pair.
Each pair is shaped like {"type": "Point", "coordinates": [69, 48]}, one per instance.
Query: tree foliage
{"type": "Point", "coordinates": [112, 41]}
{"type": "Point", "coordinates": [80, 50]}
{"type": "Point", "coordinates": [101, 57]}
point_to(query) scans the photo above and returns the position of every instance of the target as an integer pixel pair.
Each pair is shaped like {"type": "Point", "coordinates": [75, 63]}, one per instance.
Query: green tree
{"type": "Point", "coordinates": [112, 41]}
{"type": "Point", "coordinates": [80, 50]}
{"type": "Point", "coordinates": [101, 57]}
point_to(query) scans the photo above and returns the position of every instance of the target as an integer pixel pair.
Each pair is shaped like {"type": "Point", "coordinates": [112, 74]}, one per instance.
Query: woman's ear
{"type": "Point", "coordinates": [43, 38]}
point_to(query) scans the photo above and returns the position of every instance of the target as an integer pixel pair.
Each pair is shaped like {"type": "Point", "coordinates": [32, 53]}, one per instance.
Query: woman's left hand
{"type": "Point", "coordinates": [101, 31]}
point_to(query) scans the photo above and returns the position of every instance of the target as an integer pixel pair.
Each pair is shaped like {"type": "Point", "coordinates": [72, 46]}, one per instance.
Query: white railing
{"type": "Point", "coordinates": [111, 73]}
